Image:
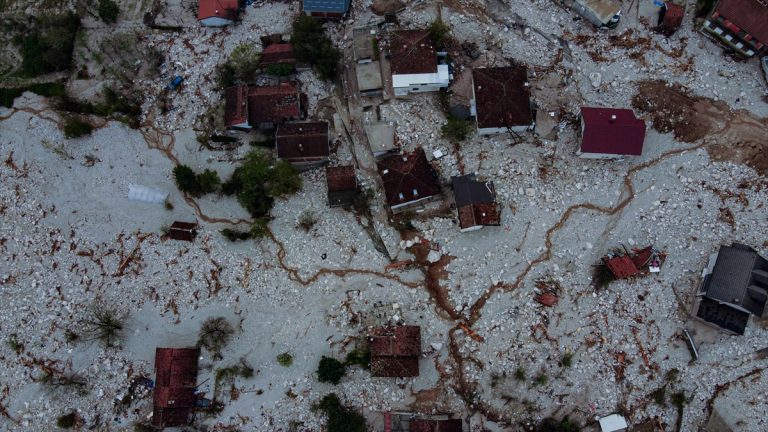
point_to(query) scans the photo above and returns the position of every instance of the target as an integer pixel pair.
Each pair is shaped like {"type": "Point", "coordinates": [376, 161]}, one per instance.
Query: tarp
{"type": "Point", "coordinates": [146, 194]}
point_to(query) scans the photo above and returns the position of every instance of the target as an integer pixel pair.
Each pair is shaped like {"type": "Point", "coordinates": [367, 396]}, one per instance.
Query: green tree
{"type": "Point", "coordinates": [455, 129]}
{"type": "Point", "coordinates": [311, 44]}
{"type": "Point", "coordinates": [330, 370]}
{"type": "Point", "coordinates": [439, 33]}
{"type": "Point", "coordinates": [208, 181]}
{"type": "Point", "coordinates": [186, 180]}
{"type": "Point", "coordinates": [259, 180]}
{"type": "Point", "coordinates": [48, 46]}
{"type": "Point", "coordinates": [340, 418]}
{"type": "Point", "coordinates": [245, 61]}
{"type": "Point", "coordinates": [108, 11]}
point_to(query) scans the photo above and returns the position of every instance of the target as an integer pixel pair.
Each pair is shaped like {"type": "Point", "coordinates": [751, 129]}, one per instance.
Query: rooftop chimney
{"type": "Point", "coordinates": [613, 118]}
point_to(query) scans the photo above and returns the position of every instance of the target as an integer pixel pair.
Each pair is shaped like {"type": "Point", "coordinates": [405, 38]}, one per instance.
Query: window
{"type": "Point", "coordinates": [728, 38]}
{"type": "Point", "coordinates": [718, 30]}
{"type": "Point", "coordinates": [739, 45]}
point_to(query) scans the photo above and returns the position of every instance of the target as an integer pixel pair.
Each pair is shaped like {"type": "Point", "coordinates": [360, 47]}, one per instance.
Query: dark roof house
{"type": "Point", "coordinates": [326, 8]}
{"type": "Point", "coordinates": [263, 106]}
{"type": "Point", "coordinates": [742, 25]}
{"type": "Point", "coordinates": [278, 53]}
{"type": "Point", "coordinates": [175, 382]}
{"type": "Point", "coordinates": [218, 13]}
{"type": "Point", "coordinates": [414, 63]}
{"type": "Point", "coordinates": [735, 286]}
{"type": "Point", "coordinates": [610, 133]}
{"type": "Point", "coordinates": [502, 100]}
{"type": "Point", "coordinates": [304, 145]}
{"type": "Point", "coordinates": [342, 185]}
{"type": "Point", "coordinates": [395, 351]}
{"type": "Point", "coordinates": [408, 179]}
{"type": "Point", "coordinates": [183, 231]}
{"type": "Point", "coordinates": [475, 203]}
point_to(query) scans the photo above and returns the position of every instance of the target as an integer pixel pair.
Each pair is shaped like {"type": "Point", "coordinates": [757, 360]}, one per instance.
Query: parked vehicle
{"type": "Point", "coordinates": [601, 13]}
{"type": "Point", "coordinates": [175, 82]}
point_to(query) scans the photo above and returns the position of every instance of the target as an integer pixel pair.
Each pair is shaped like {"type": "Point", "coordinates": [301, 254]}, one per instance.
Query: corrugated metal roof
{"type": "Point", "coordinates": [338, 6]}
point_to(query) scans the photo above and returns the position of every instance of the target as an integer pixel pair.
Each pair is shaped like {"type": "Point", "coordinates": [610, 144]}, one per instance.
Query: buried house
{"type": "Point", "coordinates": [218, 13]}
{"type": "Point", "coordinates": [175, 382]}
{"type": "Point", "coordinates": [414, 63]}
{"type": "Point", "coordinates": [408, 179]}
{"type": "Point", "coordinates": [734, 286]}
{"type": "Point", "coordinates": [342, 185]}
{"type": "Point", "coordinates": [395, 351]}
{"type": "Point", "coordinates": [501, 100]}
{"type": "Point", "coordinates": [610, 133]}
{"type": "Point", "coordinates": [303, 145]}
{"type": "Point", "coordinates": [476, 203]}
{"type": "Point", "coordinates": [263, 107]}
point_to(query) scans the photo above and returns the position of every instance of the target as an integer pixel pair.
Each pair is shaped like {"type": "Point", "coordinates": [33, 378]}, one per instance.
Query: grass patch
{"type": "Point", "coordinates": [14, 344]}
{"type": "Point", "coordinates": [285, 359]}
{"type": "Point", "coordinates": [47, 46]}
{"type": "Point", "coordinates": [456, 129]}
{"type": "Point", "coordinates": [520, 374]}
{"type": "Point", "coordinates": [541, 379]}
{"type": "Point", "coordinates": [566, 360]}
{"type": "Point", "coordinates": [307, 220]}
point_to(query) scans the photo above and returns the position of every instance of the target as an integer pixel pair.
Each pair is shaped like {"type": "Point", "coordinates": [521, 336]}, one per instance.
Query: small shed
{"type": "Point", "coordinates": [342, 185]}
{"type": "Point", "coordinates": [186, 231]}
{"type": "Point", "coordinates": [670, 18]}
{"type": "Point", "coordinates": [176, 378]}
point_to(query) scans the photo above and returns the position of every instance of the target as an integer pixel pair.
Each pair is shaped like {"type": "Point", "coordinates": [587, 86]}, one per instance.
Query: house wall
{"type": "Point", "coordinates": [715, 27]}
{"type": "Point", "coordinates": [598, 155]}
{"type": "Point", "coordinates": [402, 84]}
{"type": "Point", "coordinates": [472, 228]}
{"type": "Point", "coordinates": [215, 22]}
{"type": "Point", "coordinates": [410, 204]}
{"type": "Point", "coordinates": [418, 88]}
{"type": "Point", "coordinates": [492, 131]}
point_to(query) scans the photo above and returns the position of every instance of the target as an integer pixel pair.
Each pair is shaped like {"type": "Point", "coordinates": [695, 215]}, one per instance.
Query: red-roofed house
{"type": "Point", "coordinates": [414, 64]}
{"type": "Point", "coordinates": [475, 203]}
{"type": "Point", "coordinates": [342, 185]}
{"type": "Point", "coordinates": [408, 178]}
{"type": "Point", "coordinates": [218, 13]}
{"type": "Point", "coordinates": [175, 382]}
{"type": "Point", "coordinates": [501, 100]}
{"type": "Point", "coordinates": [263, 107]}
{"type": "Point", "coordinates": [278, 53]}
{"type": "Point", "coordinates": [395, 351]}
{"type": "Point", "coordinates": [610, 133]}
{"type": "Point", "coordinates": [740, 24]}
{"type": "Point", "coordinates": [670, 18]}
{"type": "Point", "coordinates": [304, 145]}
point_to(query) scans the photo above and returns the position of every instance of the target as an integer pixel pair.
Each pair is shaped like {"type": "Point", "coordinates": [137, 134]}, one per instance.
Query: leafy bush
{"type": "Point", "coordinates": [48, 47]}
{"type": "Point", "coordinates": [108, 11]}
{"type": "Point", "coordinates": [259, 228]}
{"type": "Point", "coordinates": [551, 425]}
{"type": "Point", "coordinates": [215, 334]}
{"type": "Point", "coordinates": [235, 235]}
{"type": "Point", "coordinates": [280, 69]}
{"type": "Point", "coordinates": [8, 95]}
{"type": "Point", "coordinates": [208, 181]}
{"type": "Point", "coordinates": [438, 33]}
{"type": "Point", "coordinates": [76, 128]}
{"type": "Point", "coordinates": [14, 344]}
{"type": "Point", "coordinates": [360, 357]}
{"type": "Point", "coordinates": [567, 360]}
{"type": "Point", "coordinates": [455, 129]}
{"type": "Point", "coordinates": [105, 324]}
{"type": "Point", "coordinates": [67, 421]}
{"type": "Point", "coordinates": [541, 379]}
{"type": "Point", "coordinates": [196, 184]}
{"type": "Point", "coordinates": [307, 220]}
{"type": "Point", "coordinates": [244, 61]}
{"type": "Point", "coordinates": [340, 418]}
{"type": "Point", "coordinates": [330, 370]}
{"type": "Point", "coordinates": [520, 374]}
{"type": "Point", "coordinates": [311, 44]}
{"type": "Point", "coordinates": [259, 180]}
{"type": "Point", "coordinates": [285, 359]}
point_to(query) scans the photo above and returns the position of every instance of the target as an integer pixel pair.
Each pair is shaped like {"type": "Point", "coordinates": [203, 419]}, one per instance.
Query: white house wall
{"type": "Point", "coordinates": [492, 131]}
{"type": "Point", "coordinates": [215, 22]}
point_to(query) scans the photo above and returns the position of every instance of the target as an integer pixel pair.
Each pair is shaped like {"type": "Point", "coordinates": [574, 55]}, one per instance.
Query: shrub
{"type": "Point", "coordinates": [340, 418]}
{"type": "Point", "coordinates": [105, 324]}
{"type": "Point", "coordinates": [208, 181]}
{"type": "Point", "coordinates": [455, 129]}
{"type": "Point", "coordinates": [225, 75]}
{"type": "Point", "coordinates": [48, 47]}
{"type": "Point", "coordinates": [330, 370]}
{"type": "Point", "coordinates": [566, 360]}
{"type": "Point", "coordinates": [258, 180]}
{"type": "Point", "coordinates": [186, 180]}
{"type": "Point", "coordinates": [660, 396]}
{"type": "Point", "coordinates": [259, 228]}
{"type": "Point", "coordinates": [14, 344]}
{"type": "Point", "coordinates": [67, 421]}
{"type": "Point", "coordinates": [76, 128]}
{"type": "Point", "coordinates": [307, 220]}
{"type": "Point", "coordinates": [285, 359]}
{"type": "Point", "coordinates": [215, 334]}
{"type": "Point", "coordinates": [311, 44]}
{"type": "Point", "coordinates": [108, 11]}
{"type": "Point", "coordinates": [679, 399]}
{"type": "Point", "coordinates": [235, 235]}
{"type": "Point", "coordinates": [360, 357]}
{"type": "Point", "coordinates": [541, 379]}
{"type": "Point", "coordinates": [438, 33]}
{"type": "Point", "coordinates": [280, 69]}
{"type": "Point", "coordinates": [601, 276]}
{"type": "Point", "coordinates": [520, 374]}
{"type": "Point", "coordinates": [241, 370]}
{"type": "Point", "coordinates": [55, 380]}
{"type": "Point", "coordinates": [245, 61]}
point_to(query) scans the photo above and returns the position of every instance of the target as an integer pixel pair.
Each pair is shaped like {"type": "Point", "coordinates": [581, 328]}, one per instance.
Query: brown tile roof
{"type": "Point", "coordinates": [341, 178]}
{"type": "Point", "coordinates": [502, 98]}
{"type": "Point", "coordinates": [479, 215]}
{"type": "Point", "coordinates": [236, 108]}
{"type": "Point", "coordinates": [426, 425]}
{"type": "Point", "coordinates": [175, 381]}
{"type": "Point", "coordinates": [273, 104]}
{"type": "Point", "coordinates": [409, 175]}
{"type": "Point", "coordinates": [749, 15]}
{"type": "Point", "coordinates": [395, 351]}
{"type": "Point", "coordinates": [297, 141]}
{"type": "Point", "coordinates": [412, 52]}
{"type": "Point", "coordinates": [277, 54]}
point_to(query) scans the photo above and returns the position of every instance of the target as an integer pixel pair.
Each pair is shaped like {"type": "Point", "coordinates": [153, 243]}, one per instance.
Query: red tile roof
{"type": "Point", "coordinates": [395, 351]}
{"type": "Point", "coordinates": [479, 215]}
{"type": "Point", "coordinates": [278, 53]}
{"type": "Point", "coordinates": [612, 131]}
{"type": "Point", "coordinates": [302, 141]}
{"type": "Point", "coordinates": [226, 9]}
{"type": "Point", "coordinates": [502, 97]}
{"type": "Point", "coordinates": [621, 266]}
{"type": "Point", "coordinates": [412, 52]}
{"type": "Point", "coordinates": [673, 17]}
{"type": "Point", "coordinates": [409, 175]}
{"type": "Point", "coordinates": [750, 15]}
{"type": "Point", "coordinates": [236, 107]}
{"type": "Point", "coordinates": [341, 178]}
{"type": "Point", "coordinates": [273, 104]}
{"type": "Point", "coordinates": [175, 381]}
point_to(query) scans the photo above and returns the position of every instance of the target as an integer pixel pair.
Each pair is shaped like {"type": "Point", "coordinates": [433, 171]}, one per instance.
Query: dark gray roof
{"type": "Point", "coordinates": [739, 278]}
{"type": "Point", "coordinates": [467, 190]}
{"type": "Point", "coordinates": [723, 315]}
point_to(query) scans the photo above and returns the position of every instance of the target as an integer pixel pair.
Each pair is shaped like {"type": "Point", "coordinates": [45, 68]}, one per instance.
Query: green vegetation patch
{"type": "Point", "coordinates": [330, 370]}
{"type": "Point", "coordinates": [340, 417]}
{"type": "Point", "coordinates": [47, 46]}
{"type": "Point", "coordinates": [312, 45]}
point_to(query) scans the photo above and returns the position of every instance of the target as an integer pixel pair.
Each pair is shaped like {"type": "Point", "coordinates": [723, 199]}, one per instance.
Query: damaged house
{"type": "Point", "coordinates": [741, 25]}
{"type": "Point", "coordinates": [218, 13]}
{"type": "Point", "coordinates": [734, 286]}
{"type": "Point", "coordinates": [501, 100]}
{"type": "Point", "coordinates": [408, 178]}
{"type": "Point", "coordinates": [277, 54]}
{"type": "Point", "coordinates": [304, 145]}
{"type": "Point", "coordinates": [342, 185]}
{"type": "Point", "coordinates": [414, 63]}
{"type": "Point", "coordinates": [326, 8]}
{"type": "Point", "coordinates": [395, 351]}
{"type": "Point", "coordinates": [476, 203]}
{"type": "Point", "coordinates": [175, 382]}
{"type": "Point", "coordinates": [610, 133]}
{"type": "Point", "coordinates": [263, 107]}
